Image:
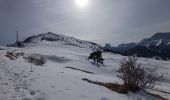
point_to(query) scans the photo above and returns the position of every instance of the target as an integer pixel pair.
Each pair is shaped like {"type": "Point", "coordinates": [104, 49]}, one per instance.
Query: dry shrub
{"type": "Point", "coordinates": [36, 59]}
{"type": "Point", "coordinates": [136, 76]}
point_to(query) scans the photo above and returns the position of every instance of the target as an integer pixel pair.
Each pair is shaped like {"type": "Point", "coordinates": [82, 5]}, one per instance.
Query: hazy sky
{"type": "Point", "coordinates": [101, 21]}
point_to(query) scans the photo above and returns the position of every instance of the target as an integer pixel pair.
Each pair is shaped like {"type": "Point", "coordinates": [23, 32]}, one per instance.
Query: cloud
{"type": "Point", "coordinates": [113, 21]}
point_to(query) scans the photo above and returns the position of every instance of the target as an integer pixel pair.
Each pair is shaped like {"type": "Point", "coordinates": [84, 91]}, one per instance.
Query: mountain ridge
{"type": "Point", "coordinates": [66, 40]}
{"type": "Point", "coordinates": [157, 45]}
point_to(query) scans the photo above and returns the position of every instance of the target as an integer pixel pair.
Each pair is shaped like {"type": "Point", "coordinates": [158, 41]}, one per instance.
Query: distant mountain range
{"type": "Point", "coordinates": [157, 46]}
{"type": "Point", "coordinates": [53, 37]}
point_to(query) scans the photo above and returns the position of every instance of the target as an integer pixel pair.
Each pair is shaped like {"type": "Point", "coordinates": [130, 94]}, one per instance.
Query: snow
{"type": "Point", "coordinates": [159, 42]}
{"type": "Point", "coordinates": [6, 88]}
{"type": "Point", "coordinates": [168, 43]}
{"type": "Point", "coordinates": [53, 81]}
{"type": "Point", "coordinates": [65, 40]}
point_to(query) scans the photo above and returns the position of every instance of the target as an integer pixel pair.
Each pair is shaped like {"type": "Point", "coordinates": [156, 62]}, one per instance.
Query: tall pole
{"type": "Point", "coordinates": [16, 36]}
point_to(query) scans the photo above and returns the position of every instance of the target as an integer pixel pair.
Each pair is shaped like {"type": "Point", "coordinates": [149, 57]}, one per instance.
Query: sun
{"type": "Point", "coordinates": [82, 3]}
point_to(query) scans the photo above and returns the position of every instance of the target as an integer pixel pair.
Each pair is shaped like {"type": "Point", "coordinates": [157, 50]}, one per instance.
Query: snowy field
{"type": "Point", "coordinates": [53, 81]}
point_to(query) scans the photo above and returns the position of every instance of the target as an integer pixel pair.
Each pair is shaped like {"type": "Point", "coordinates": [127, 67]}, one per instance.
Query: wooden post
{"type": "Point", "coordinates": [17, 37]}
{"type": "Point", "coordinates": [31, 64]}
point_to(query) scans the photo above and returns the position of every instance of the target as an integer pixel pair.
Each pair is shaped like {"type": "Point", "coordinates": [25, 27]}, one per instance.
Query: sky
{"type": "Point", "coordinates": [100, 21]}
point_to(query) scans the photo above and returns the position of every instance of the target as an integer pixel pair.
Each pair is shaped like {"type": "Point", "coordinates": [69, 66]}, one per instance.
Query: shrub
{"type": "Point", "coordinates": [96, 57]}
{"type": "Point", "coordinates": [36, 59]}
{"type": "Point", "coordinates": [136, 76]}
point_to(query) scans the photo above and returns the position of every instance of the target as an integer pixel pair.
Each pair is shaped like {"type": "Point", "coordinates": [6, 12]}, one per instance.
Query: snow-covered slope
{"type": "Point", "coordinates": [53, 81]}
{"type": "Point", "coordinates": [53, 37]}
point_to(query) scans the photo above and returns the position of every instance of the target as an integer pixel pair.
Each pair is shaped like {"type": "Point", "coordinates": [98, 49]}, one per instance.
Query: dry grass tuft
{"type": "Point", "coordinates": [112, 86]}
{"type": "Point", "coordinates": [80, 70]}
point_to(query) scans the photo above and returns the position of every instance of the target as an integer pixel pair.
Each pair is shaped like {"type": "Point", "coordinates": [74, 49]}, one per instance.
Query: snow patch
{"type": "Point", "coordinates": [159, 42]}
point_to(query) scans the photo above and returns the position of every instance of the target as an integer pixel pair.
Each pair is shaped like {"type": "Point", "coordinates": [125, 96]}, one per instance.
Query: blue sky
{"type": "Point", "coordinates": [101, 21]}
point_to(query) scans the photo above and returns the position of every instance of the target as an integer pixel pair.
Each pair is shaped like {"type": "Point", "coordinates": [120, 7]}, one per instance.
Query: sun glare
{"type": "Point", "coordinates": [81, 3]}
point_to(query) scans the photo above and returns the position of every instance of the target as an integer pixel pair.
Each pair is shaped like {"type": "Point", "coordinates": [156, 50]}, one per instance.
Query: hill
{"type": "Point", "coordinates": [66, 40]}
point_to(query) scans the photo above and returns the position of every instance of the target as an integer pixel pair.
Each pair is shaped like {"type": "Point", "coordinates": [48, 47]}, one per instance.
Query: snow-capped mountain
{"type": "Point", "coordinates": [159, 39]}
{"type": "Point", "coordinates": [66, 40]}
{"type": "Point", "coordinates": [157, 45]}
{"type": "Point", "coordinates": [125, 47]}
{"type": "Point", "coordinates": [120, 48]}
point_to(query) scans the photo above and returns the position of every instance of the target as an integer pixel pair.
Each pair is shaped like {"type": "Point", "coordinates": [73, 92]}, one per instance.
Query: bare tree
{"type": "Point", "coordinates": [136, 76]}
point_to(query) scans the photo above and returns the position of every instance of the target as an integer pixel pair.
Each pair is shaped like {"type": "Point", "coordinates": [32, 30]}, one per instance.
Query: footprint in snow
{"type": "Point", "coordinates": [32, 92]}
{"type": "Point", "coordinates": [52, 86]}
{"type": "Point", "coordinates": [40, 98]}
{"type": "Point", "coordinates": [26, 99]}
{"type": "Point", "coordinates": [104, 98]}
{"type": "Point", "coordinates": [84, 96]}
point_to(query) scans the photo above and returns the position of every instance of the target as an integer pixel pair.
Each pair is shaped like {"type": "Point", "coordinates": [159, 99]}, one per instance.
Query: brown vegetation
{"type": "Point", "coordinates": [137, 77]}
{"type": "Point", "coordinates": [123, 89]}
{"type": "Point", "coordinates": [80, 70]}
{"type": "Point", "coordinates": [112, 86]}
{"type": "Point", "coordinates": [36, 59]}
{"type": "Point", "coordinates": [11, 55]}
